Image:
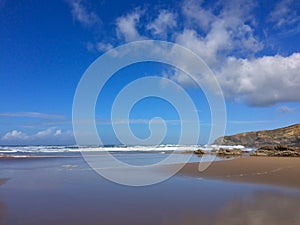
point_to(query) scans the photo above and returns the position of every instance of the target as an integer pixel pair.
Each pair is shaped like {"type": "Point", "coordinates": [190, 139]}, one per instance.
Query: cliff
{"type": "Point", "coordinates": [286, 136]}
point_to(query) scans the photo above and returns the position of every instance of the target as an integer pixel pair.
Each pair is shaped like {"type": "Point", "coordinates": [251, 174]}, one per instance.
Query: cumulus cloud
{"type": "Point", "coordinates": [226, 32]}
{"type": "Point", "coordinates": [50, 135]}
{"type": "Point", "coordinates": [14, 135]}
{"type": "Point", "coordinates": [228, 47]}
{"type": "Point", "coordinates": [163, 23]}
{"type": "Point", "coordinates": [127, 26]}
{"type": "Point", "coordinates": [81, 14]}
{"type": "Point", "coordinates": [224, 35]}
{"type": "Point", "coordinates": [262, 81]}
{"type": "Point", "coordinates": [206, 47]}
{"type": "Point", "coordinates": [46, 133]}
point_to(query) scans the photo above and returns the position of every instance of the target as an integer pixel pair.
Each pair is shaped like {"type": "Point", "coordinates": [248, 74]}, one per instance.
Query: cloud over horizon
{"type": "Point", "coordinates": [47, 136]}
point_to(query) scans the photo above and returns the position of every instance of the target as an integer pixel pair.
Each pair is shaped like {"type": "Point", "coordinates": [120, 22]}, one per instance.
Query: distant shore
{"type": "Point", "coordinates": [278, 171]}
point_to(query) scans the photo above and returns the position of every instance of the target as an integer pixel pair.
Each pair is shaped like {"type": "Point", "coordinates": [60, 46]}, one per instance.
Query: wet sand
{"type": "Point", "coordinates": [67, 191]}
{"type": "Point", "coordinates": [278, 171]}
{"type": "Point", "coordinates": [2, 181]}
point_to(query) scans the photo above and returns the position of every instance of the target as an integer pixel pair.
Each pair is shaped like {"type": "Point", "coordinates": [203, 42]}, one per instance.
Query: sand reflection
{"type": "Point", "coordinates": [261, 208]}
{"type": "Point", "coordinates": [3, 211]}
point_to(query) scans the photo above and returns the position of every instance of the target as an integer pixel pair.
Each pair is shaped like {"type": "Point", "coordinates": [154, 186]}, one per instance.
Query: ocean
{"type": "Point", "coordinates": [132, 155]}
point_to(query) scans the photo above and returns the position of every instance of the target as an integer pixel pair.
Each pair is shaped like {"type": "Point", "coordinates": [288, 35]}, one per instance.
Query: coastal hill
{"type": "Point", "coordinates": [286, 136]}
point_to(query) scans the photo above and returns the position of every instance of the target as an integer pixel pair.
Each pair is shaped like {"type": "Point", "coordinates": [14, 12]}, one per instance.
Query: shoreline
{"type": "Point", "coordinates": [275, 171]}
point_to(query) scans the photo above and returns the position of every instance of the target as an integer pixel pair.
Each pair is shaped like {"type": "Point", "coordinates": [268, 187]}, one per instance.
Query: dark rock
{"type": "Point", "coordinates": [277, 150]}
{"type": "Point", "coordinates": [199, 152]}
{"type": "Point", "coordinates": [226, 151]}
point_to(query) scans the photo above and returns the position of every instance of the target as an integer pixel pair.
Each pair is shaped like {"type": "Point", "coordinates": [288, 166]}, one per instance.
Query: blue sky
{"type": "Point", "coordinates": [45, 47]}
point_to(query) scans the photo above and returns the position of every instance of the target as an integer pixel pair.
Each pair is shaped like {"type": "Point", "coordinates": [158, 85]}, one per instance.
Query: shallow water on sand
{"type": "Point", "coordinates": [66, 191]}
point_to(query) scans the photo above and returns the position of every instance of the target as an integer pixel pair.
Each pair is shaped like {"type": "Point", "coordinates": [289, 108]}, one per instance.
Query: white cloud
{"type": "Point", "coordinates": [163, 23]}
{"type": "Point", "coordinates": [259, 81]}
{"type": "Point", "coordinates": [178, 76]}
{"type": "Point", "coordinates": [196, 15]}
{"type": "Point", "coordinates": [223, 34]}
{"type": "Point", "coordinates": [127, 26]}
{"type": "Point", "coordinates": [82, 14]}
{"type": "Point", "coordinates": [226, 32]}
{"type": "Point", "coordinates": [14, 135]}
{"type": "Point", "coordinates": [104, 47]}
{"type": "Point", "coordinates": [206, 47]}
{"type": "Point", "coordinates": [284, 14]}
{"type": "Point", "coordinates": [45, 133]}
{"type": "Point", "coordinates": [262, 81]}
{"type": "Point", "coordinates": [50, 135]}
{"type": "Point", "coordinates": [99, 47]}
{"type": "Point", "coordinates": [58, 133]}
{"type": "Point", "coordinates": [228, 47]}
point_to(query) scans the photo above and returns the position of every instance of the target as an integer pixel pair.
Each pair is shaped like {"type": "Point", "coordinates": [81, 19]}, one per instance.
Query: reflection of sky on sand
{"type": "Point", "coordinates": [2, 213]}
{"type": "Point", "coordinates": [66, 191]}
{"type": "Point", "coordinates": [263, 207]}
{"type": "Point", "coordinates": [2, 206]}
{"type": "Point", "coordinates": [260, 208]}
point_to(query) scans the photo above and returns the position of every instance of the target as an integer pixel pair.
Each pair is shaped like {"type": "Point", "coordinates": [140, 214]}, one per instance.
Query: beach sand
{"type": "Point", "coordinates": [278, 171]}
{"type": "Point", "coordinates": [67, 191]}
{"type": "Point", "coordinates": [3, 181]}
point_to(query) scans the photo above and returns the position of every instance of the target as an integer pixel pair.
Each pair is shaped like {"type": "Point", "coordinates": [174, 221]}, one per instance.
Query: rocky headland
{"type": "Point", "coordinates": [289, 136]}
